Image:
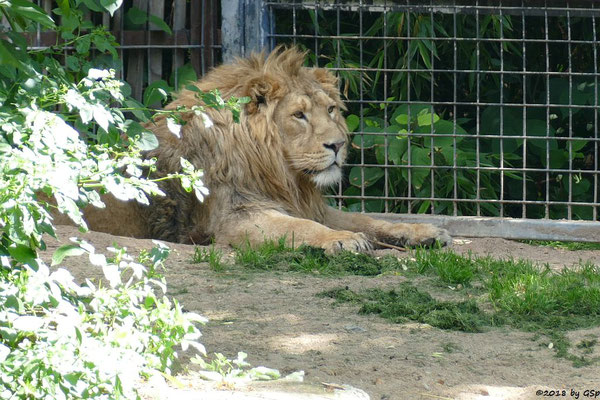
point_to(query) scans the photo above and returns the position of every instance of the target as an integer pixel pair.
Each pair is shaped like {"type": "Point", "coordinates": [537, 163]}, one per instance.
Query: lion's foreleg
{"type": "Point", "coordinates": [393, 233]}
{"type": "Point", "coordinates": [257, 227]}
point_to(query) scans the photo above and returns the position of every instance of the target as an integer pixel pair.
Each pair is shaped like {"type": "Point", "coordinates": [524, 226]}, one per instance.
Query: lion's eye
{"type": "Point", "coordinates": [330, 109]}
{"type": "Point", "coordinates": [299, 115]}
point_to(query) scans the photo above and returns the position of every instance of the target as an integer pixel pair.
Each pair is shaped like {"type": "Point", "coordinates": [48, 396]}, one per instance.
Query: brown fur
{"type": "Point", "coordinates": [264, 173]}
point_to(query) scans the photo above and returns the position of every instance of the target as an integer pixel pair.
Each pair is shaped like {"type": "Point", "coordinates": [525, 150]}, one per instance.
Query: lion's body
{"type": "Point", "coordinates": [264, 174]}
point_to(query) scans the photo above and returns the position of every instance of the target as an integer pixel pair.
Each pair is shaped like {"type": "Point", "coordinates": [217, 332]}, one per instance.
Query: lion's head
{"type": "Point", "coordinates": [295, 109]}
{"type": "Point", "coordinates": [312, 129]}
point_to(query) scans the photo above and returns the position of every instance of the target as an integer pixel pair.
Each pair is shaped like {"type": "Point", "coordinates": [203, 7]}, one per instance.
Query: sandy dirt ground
{"type": "Point", "coordinates": [280, 322]}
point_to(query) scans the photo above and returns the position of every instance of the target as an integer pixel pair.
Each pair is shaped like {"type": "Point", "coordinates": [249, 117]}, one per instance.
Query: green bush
{"type": "Point", "coordinates": [70, 131]}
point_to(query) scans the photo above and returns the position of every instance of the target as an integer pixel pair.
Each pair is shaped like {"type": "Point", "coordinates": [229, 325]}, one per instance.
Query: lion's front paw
{"type": "Point", "coordinates": [336, 241]}
{"type": "Point", "coordinates": [417, 235]}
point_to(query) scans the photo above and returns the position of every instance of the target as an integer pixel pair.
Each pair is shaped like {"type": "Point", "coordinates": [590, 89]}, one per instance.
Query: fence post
{"type": "Point", "coordinates": [244, 27]}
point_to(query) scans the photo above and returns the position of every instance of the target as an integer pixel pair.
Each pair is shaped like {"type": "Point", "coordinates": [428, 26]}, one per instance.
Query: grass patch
{"type": "Point", "coordinates": [407, 303]}
{"type": "Point", "coordinates": [572, 246]}
{"type": "Point", "coordinates": [212, 256]}
{"type": "Point", "coordinates": [275, 255]}
{"type": "Point", "coordinates": [544, 299]}
{"type": "Point", "coordinates": [450, 267]}
{"type": "Point", "coordinates": [484, 292]}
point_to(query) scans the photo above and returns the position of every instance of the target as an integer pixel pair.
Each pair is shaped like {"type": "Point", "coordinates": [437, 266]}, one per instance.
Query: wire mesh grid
{"type": "Point", "coordinates": [473, 108]}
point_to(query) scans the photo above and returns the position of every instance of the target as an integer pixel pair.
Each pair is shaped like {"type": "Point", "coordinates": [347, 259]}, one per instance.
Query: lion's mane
{"type": "Point", "coordinates": [244, 164]}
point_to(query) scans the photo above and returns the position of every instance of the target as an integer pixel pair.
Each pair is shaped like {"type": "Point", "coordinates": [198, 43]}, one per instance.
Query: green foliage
{"type": "Point", "coordinates": [567, 300]}
{"type": "Point", "coordinates": [212, 256]}
{"type": "Point", "coordinates": [68, 132]}
{"type": "Point", "coordinates": [275, 255]}
{"type": "Point", "coordinates": [407, 303]}
{"type": "Point", "coordinates": [227, 370]}
{"type": "Point", "coordinates": [437, 139]}
{"type": "Point", "coordinates": [59, 339]}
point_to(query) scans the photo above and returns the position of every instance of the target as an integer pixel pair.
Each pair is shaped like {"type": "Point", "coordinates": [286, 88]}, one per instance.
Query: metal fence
{"type": "Point", "coordinates": [158, 39]}
{"type": "Point", "coordinates": [460, 108]}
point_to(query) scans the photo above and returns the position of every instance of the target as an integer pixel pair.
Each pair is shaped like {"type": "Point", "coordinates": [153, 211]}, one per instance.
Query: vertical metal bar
{"type": "Point", "coordinates": [386, 191]}
{"type": "Point", "coordinates": [569, 143]}
{"type": "Point", "coordinates": [524, 77]}
{"type": "Point", "coordinates": [478, 112]}
{"type": "Point", "coordinates": [317, 33]}
{"type": "Point", "coordinates": [595, 198]}
{"type": "Point", "coordinates": [454, 111]}
{"type": "Point", "coordinates": [119, 20]}
{"type": "Point", "coordinates": [362, 111]}
{"type": "Point", "coordinates": [148, 40]}
{"type": "Point", "coordinates": [431, 98]}
{"type": "Point", "coordinates": [409, 135]}
{"type": "Point", "coordinates": [38, 31]}
{"type": "Point", "coordinates": [546, 42]}
{"type": "Point", "coordinates": [337, 65]}
{"type": "Point", "coordinates": [501, 112]}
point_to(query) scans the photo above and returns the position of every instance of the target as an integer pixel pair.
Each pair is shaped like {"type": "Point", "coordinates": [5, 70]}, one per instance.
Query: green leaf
{"type": "Point", "coordinates": [83, 43]}
{"type": "Point", "coordinates": [426, 119]}
{"type": "Point", "coordinates": [93, 5]}
{"type": "Point", "coordinates": [148, 141]}
{"type": "Point", "coordinates": [397, 148]}
{"type": "Point", "coordinates": [413, 109]}
{"type": "Point", "coordinates": [157, 91]}
{"type": "Point", "coordinates": [402, 119]}
{"type": "Point", "coordinates": [160, 24]}
{"type": "Point", "coordinates": [363, 141]}
{"type": "Point", "coordinates": [72, 63]}
{"type": "Point", "coordinates": [65, 7]}
{"type": "Point", "coordinates": [66, 250]}
{"type": "Point", "coordinates": [137, 109]}
{"type": "Point", "coordinates": [8, 57]}
{"type": "Point", "coordinates": [102, 43]}
{"type": "Point", "coordinates": [352, 122]}
{"type": "Point", "coordinates": [22, 253]}
{"type": "Point", "coordinates": [425, 54]}
{"type": "Point", "coordinates": [419, 156]}
{"type": "Point", "coordinates": [447, 128]}
{"type": "Point", "coordinates": [559, 158]}
{"type": "Point", "coordinates": [577, 145]}
{"type": "Point", "coordinates": [512, 125]}
{"type": "Point", "coordinates": [371, 176]}
{"type": "Point", "coordinates": [31, 12]}
{"type": "Point", "coordinates": [183, 76]}
{"type": "Point", "coordinates": [137, 16]}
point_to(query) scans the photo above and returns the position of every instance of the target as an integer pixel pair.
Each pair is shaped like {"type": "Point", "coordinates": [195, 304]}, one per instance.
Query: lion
{"type": "Point", "coordinates": [265, 174]}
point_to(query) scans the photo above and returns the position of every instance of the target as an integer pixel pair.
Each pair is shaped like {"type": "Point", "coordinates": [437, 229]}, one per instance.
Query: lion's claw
{"type": "Point", "coordinates": [337, 241]}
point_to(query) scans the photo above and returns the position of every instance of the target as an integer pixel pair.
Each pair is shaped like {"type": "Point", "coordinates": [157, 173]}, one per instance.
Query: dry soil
{"type": "Point", "coordinates": [280, 322]}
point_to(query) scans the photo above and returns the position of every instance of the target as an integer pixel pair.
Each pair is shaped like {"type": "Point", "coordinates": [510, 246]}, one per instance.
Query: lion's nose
{"type": "Point", "coordinates": [335, 146]}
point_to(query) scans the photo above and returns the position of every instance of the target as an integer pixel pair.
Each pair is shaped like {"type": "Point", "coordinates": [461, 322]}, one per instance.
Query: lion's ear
{"type": "Point", "coordinates": [262, 91]}
{"type": "Point", "coordinates": [325, 77]}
